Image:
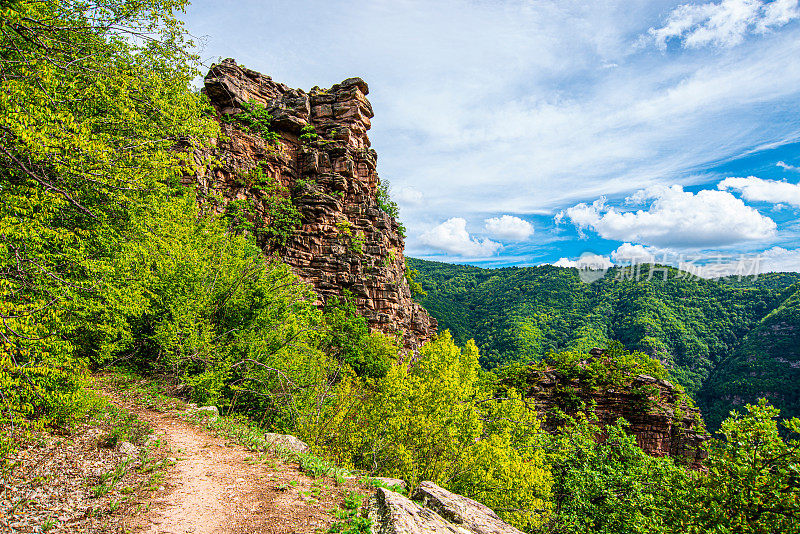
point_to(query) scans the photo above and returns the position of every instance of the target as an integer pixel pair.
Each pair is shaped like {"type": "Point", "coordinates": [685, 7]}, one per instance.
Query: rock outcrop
{"type": "Point", "coordinates": [661, 418]}
{"type": "Point", "coordinates": [441, 512]}
{"type": "Point", "coordinates": [317, 155]}
{"type": "Point", "coordinates": [286, 441]}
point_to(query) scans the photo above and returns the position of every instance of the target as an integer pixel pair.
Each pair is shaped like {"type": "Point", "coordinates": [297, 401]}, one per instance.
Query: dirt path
{"type": "Point", "coordinates": [217, 487]}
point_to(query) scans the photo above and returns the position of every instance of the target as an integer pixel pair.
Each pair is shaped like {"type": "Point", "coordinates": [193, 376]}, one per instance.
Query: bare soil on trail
{"type": "Point", "coordinates": [216, 487]}
{"type": "Point", "coordinates": [181, 479]}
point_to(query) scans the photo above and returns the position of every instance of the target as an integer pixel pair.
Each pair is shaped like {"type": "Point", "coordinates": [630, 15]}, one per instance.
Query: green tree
{"type": "Point", "coordinates": [94, 102]}
{"type": "Point", "coordinates": [438, 420]}
{"type": "Point", "coordinates": [751, 481]}
{"type": "Point", "coordinates": [604, 483]}
{"type": "Point", "coordinates": [347, 338]}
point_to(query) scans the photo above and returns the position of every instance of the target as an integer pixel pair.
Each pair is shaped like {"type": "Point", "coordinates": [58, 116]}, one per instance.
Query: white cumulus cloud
{"type": "Point", "coordinates": [508, 228]}
{"type": "Point", "coordinates": [587, 260]}
{"type": "Point", "coordinates": [629, 253]}
{"type": "Point", "coordinates": [758, 189]}
{"type": "Point", "coordinates": [452, 237]}
{"type": "Point", "coordinates": [779, 259]}
{"type": "Point", "coordinates": [723, 24]}
{"type": "Point", "coordinates": [675, 218]}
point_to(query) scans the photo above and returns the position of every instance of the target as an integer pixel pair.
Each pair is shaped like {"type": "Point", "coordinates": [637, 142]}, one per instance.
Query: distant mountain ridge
{"type": "Point", "coordinates": [728, 342]}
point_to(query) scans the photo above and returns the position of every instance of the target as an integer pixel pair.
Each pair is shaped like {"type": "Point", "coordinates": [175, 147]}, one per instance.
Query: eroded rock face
{"type": "Point", "coordinates": [459, 510]}
{"type": "Point", "coordinates": [660, 418]}
{"type": "Point", "coordinates": [345, 242]}
{"type": "Point", "coordinates": [441, 512]}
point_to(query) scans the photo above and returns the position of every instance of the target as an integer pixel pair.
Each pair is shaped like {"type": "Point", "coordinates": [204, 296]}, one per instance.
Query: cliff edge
{"type": "Point", "coordinates": [662, 418]}
{"type": "Point", "coordinates": [296, 168]}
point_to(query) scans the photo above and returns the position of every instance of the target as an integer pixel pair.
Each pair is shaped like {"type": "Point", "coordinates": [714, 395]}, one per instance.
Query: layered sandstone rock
{"type": "Point", "coordinates": [346, 242]}
{"type": "Point", "coordinates": [437, 511]}
{"type": "Point", "coordinates": [660, 416]}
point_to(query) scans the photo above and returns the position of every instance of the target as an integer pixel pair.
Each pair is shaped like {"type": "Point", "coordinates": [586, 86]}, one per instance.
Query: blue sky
{"type": "Point", "coordinates": [528, 132]}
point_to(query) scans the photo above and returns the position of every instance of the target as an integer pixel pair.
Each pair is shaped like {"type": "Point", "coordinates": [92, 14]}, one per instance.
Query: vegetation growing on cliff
{"type": "Point", "coordinates": [387, 205]}
{"type": "Point", "coordinates": [254, 118]}
{"type": "Point", "coordinates": [273, 217]}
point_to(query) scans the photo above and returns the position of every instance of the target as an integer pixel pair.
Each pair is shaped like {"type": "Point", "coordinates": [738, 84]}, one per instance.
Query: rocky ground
{"type": "Point", "coordinates": [92, 479]}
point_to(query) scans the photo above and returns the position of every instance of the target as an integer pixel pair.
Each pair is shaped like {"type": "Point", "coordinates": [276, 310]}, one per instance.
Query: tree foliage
{"type": "Point", "coordinates": [726, 329]}
{"type": "Point", "coordinates": [437, 420]}
{"type": "Point", "coordinates": [604, 483]}
{"type": "Point", "coordinates": [751, 484]}
{"type": "Point", "coordinates": [94, 101]}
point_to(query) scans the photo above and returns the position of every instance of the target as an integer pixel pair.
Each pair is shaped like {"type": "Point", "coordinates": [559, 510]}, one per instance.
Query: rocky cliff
{"type": "Point", "coordinates": [661, 417]}
{"type": "Point", "coordinates": [303, 179]}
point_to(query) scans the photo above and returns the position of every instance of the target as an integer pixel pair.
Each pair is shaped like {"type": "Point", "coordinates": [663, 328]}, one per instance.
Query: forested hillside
{"type": "Point", "coordinates": [765, 364]}
{"type": "Point", "coordinates": [692, 325]}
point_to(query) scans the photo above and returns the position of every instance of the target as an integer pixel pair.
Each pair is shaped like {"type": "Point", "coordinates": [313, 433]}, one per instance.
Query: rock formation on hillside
{"type": "Point", "coordinates": [306, 184]}
{"type": "Point", "coordinates": [436, 511]}
{"type": "Point", "coordinates": [661, 418]}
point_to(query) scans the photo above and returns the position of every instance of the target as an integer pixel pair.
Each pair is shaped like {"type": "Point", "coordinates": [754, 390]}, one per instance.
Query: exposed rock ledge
{"type": "Point", "coordinates": [663, 421]}
{"type": "Point", "coordinates": [346, 241]}
{"type": "Point", "coordinates": [441, 512]}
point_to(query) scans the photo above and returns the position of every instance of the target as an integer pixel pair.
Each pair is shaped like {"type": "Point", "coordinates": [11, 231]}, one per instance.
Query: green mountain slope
{"type": "Point", "coordinates": [521, 314]}
{"type": "Point", "coordinates": [766, 364]}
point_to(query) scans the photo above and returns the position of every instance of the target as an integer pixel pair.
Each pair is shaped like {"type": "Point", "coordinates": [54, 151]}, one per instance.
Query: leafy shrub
{"type": "Point", "coordinates": [385, 202]}
{"type": "Point", "coordinates": [254, 118]}
{"type": "Point", "coordinates": [349, 340]}
{"type": "Point", "coordinates": [123, 426]}
{"type": "Point", "coordinates": [750, 484]}
{"type": "Point", "coordinates": [308, 134]}
{"type": "Point", "coordinates": [415, 287]}
{"type": "Point", "coordinates": [607, 484]}
{"type": "Point", "coordinates": [277, 217]}
{"type": "Point", "coordinates": [387, 205]}
{"type": "Point", "coordinates": [241, 215]}
{"type": "Point", "coordinates": [38, 390]}
{"type": "Point", "coordinates": [352, 522]}
{"type": "Point", "coordinates": [432, 421]}
{"type": "Point", "coordinates": [615, 368]}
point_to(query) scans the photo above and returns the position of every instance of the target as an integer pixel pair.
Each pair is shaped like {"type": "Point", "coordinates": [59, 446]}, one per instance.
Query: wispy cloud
{"type": "Point", "coordinates": [760, 190]}
{"type": "Point", "coordinates": [725, 23]}
{"type": "Point", "coordinates": [787, 167]}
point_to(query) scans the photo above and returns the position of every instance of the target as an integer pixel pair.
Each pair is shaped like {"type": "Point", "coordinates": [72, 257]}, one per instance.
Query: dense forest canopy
{"type": "Point", "coordinates": [696, 327]}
